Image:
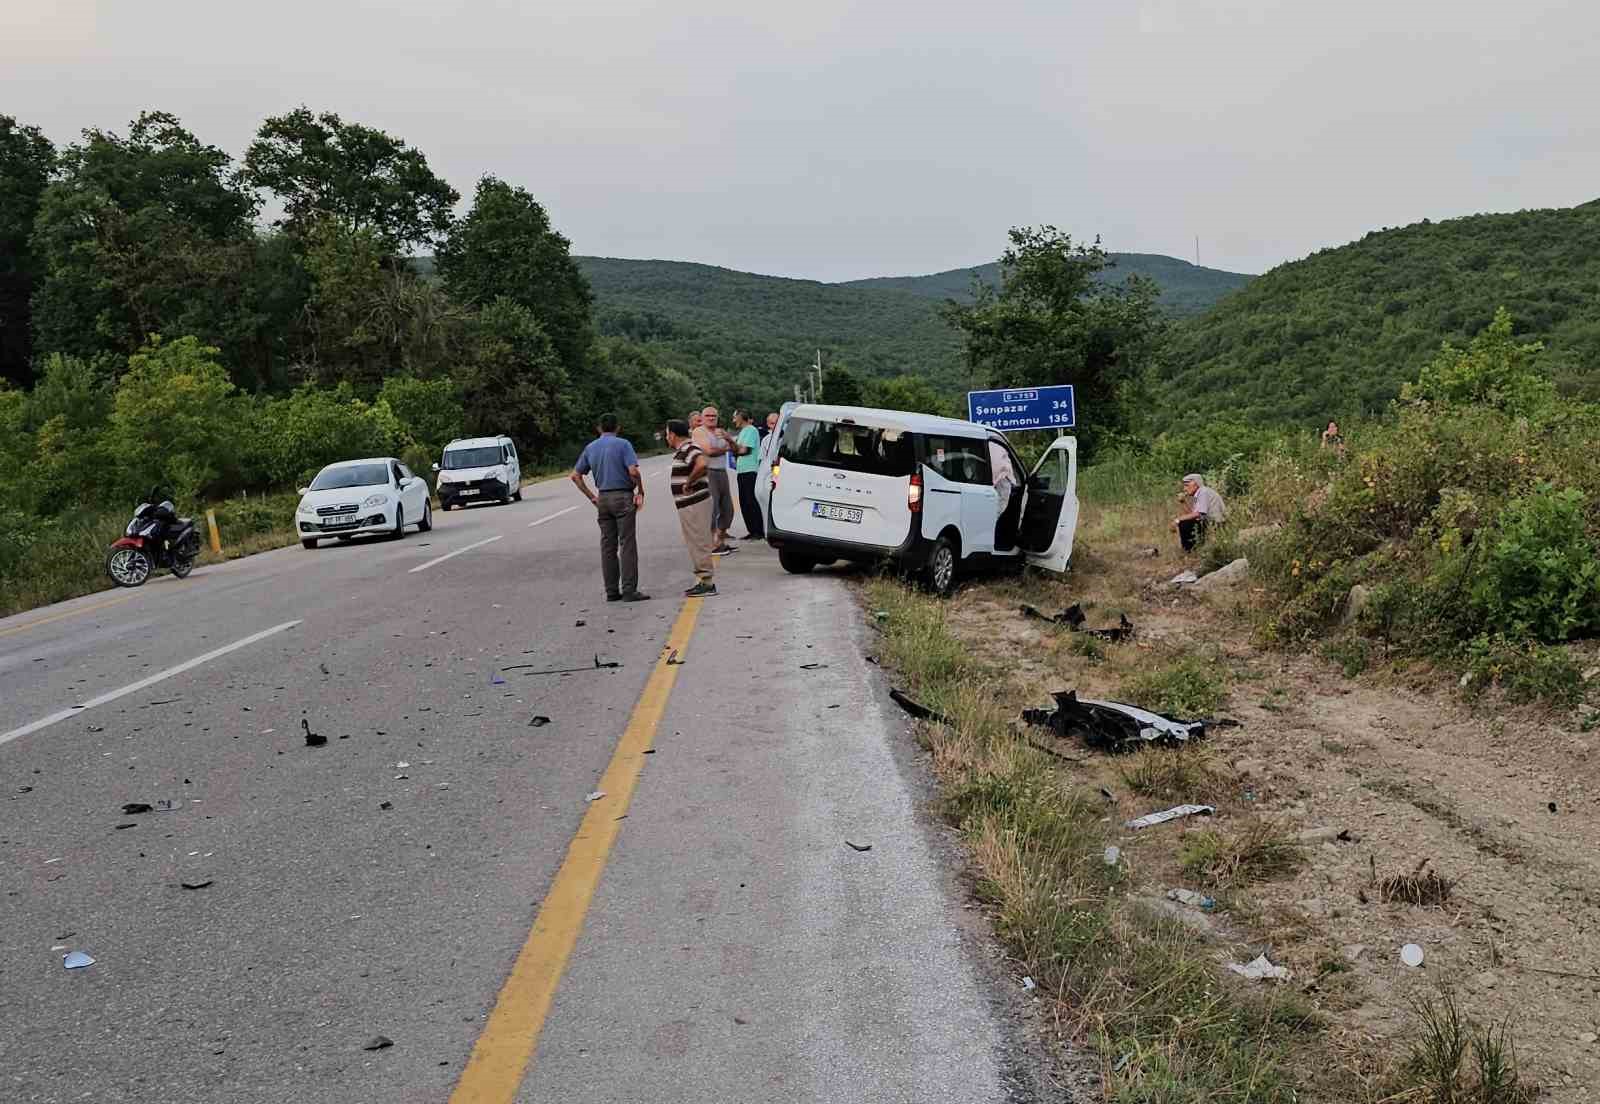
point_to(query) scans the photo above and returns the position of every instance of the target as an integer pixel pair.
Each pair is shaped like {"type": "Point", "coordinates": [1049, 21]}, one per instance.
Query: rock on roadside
{"type": "Point", "coordinates": [1230, 575]}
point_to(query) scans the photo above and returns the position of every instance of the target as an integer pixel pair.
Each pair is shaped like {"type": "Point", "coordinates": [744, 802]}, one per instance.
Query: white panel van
{"type": "Point", "coordinates": [853, 483]}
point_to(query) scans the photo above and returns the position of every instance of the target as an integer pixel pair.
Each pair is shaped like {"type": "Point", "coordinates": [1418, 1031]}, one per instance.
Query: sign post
{"type": "Point", "coordinates": [1011, 409]}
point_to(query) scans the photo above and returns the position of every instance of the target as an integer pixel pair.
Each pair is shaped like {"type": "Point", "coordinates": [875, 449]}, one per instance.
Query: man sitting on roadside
{"type": "Point", "coordinates": [1206, 509]}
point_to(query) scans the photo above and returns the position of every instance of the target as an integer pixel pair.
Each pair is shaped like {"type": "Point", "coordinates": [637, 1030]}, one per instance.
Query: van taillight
{"type": "Point", "coordinates": [774, 473]}
{"type": "Point", "coordinates": [914, 493]}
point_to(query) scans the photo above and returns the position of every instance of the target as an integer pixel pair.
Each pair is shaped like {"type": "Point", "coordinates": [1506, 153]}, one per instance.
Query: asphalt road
{"type": "Point", "coordinates": [408, 879]}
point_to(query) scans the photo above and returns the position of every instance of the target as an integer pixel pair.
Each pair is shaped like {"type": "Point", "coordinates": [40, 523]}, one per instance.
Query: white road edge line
{"type": "Point", "coordinates": [135, 687]}
{"type": "Point", "coordinates": [551, 517]}
{"type": "Point", "coordinates": [450, 555]}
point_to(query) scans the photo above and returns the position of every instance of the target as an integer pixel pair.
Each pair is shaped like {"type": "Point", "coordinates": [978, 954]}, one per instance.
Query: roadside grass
{"type": "Point", "coordinates": [1259, 851]}
{"type": "Point", "coordinates": [1193, 684]}
{"type": "Point", "coordinates": [1131, 983]}
{"type": "Point", "coordinates": [1179, 776]}
{"type": "Point", "coordinates": [1456, 1060]}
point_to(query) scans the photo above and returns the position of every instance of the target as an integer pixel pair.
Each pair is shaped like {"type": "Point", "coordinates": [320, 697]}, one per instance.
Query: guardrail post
{"type": "Point", "coordinates": [216, 537]}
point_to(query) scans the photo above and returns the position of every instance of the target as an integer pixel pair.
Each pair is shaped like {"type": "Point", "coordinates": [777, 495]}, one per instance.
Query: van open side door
{"type": "Point", "coordinates": [1050, 510]}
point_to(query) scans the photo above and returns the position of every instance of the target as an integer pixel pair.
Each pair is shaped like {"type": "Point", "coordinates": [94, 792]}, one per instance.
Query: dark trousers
{"type": "Point", "coordinates": [1192, 532]}
{"type": "Point", "coordinates": [748, 506]}
{"type": "Point", "coordinates": [619, 552]}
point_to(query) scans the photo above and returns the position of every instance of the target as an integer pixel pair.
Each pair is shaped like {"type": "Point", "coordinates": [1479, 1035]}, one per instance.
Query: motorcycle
{"type": "Point", "coordinates": [156, 537]}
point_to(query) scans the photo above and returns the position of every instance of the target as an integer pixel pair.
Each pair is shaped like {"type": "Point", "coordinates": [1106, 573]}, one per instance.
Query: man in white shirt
{"type": "Point", "coordinates": [1206, 509]}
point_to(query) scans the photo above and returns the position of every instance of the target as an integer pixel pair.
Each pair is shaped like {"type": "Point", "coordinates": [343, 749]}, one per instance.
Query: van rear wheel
{"type": "Point", "coordinates": [940, 572]}
{"type": "Point", "coordinates": [795, 562]}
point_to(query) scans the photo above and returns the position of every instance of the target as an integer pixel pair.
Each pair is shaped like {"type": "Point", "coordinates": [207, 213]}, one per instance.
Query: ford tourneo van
{"type": "Point", "coordinates": [851, 483]}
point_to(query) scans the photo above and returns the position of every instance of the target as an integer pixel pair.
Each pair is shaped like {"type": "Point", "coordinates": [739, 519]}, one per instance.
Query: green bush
{"type": "Point", "coordinates": [1541, 576]}
{"type": "Point", "coordinates": [298, 435]}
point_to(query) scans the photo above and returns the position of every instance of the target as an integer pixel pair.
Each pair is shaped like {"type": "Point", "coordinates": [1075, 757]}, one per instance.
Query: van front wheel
{"type": "Point", "coordinates": [795, 562]}
{"type": "Point", "coordinates": [940, 572]}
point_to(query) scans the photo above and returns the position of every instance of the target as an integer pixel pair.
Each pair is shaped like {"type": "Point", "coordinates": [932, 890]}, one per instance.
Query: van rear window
{"type": "Point", "coordinates": [867, 449]}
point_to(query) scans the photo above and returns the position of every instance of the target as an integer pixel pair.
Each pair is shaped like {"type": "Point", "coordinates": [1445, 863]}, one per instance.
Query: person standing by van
{"type": "Point", "coordinates": [692, 496]}
{"type": "Point", "coordinates": [617, 498]}
{"type": "Point", "coordinates": [747, 447]}
{"type": "Point", "coordinates": [714, 442]}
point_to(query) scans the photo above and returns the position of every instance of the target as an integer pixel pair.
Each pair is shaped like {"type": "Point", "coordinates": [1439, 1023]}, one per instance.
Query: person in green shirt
{"type": "Point", "coordinates": [747, 447]}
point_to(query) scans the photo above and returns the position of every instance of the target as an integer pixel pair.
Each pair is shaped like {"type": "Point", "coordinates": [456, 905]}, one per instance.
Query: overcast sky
{"type": "Point", "coordinates": [834, 139]}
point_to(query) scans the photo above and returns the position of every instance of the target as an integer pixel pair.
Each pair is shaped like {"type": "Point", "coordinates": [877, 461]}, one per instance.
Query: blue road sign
{"type": "Point", "coordinates": [1016, 408]}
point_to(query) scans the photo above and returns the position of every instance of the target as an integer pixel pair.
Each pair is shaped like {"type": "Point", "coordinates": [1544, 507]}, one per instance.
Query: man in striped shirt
{"type": "Point", "coordinates": [691, 494]}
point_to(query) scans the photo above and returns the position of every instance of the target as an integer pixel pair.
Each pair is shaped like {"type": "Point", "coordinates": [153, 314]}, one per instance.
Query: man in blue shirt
{"type": "Point", "coordinates": [617, 497]}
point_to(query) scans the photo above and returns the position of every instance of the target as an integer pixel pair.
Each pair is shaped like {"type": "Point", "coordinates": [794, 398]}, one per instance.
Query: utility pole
{"type": "Point", "coordinates": [819, 375]}
{"type": "Point", "coordinates": [1197, 250]}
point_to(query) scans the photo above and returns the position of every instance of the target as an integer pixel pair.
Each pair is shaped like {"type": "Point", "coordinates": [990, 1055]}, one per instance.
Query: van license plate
{"type": "Point", "coordinates": [851, 514]}
{"type": "Point", "coordinates": [464, 494]}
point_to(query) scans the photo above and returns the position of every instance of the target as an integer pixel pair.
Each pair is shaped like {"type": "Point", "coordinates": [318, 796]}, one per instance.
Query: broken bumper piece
{"type": "Point", "coordinates": [1112, 726]}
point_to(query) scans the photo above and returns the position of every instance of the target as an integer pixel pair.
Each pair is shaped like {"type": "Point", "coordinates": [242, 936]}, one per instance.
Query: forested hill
{"type": "Point", "coordinates": [1186, 289]}
{"type": "Point", "coordinates": [1340, 330]}
{"type": "Point", "coordinates": [751, 337]}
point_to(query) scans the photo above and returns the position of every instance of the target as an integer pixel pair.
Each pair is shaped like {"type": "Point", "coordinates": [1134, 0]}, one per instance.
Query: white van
{"type": "Point", "coordinates": [478, 469]}
{"type": "Point", "coordinates": [851, 483]}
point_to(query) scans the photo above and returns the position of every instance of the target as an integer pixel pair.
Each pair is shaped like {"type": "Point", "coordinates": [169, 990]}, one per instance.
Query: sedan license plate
{"type": "Point", "coordinates": [343, 523]}
{"type": "Point", "coordinates": [851, 514]}
{"type": "Point", "coordinates": [464, 494]}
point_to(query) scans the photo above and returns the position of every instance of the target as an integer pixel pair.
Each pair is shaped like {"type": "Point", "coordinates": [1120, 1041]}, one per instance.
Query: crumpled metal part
{"type": "Point", "coordinates": [1112, 726]}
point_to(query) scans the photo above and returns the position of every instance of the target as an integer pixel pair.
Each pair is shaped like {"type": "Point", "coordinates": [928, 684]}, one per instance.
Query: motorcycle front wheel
{"type": "Point", "coordinates": [128, 567]}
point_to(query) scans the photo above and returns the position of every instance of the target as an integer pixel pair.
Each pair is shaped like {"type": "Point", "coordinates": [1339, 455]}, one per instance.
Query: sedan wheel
{"type": "Point", "coordinates": [399, 523]}
{"type": "Point", "coordinates": [427, 518]}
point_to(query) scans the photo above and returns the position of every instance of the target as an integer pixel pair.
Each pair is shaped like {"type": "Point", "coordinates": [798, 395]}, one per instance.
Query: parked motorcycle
{"type": "Point", "coordinates": [156, 537]}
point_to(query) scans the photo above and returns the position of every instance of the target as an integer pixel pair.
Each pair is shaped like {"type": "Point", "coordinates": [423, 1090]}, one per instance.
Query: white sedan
{"type": "Point", "coordinates": [377, 495]}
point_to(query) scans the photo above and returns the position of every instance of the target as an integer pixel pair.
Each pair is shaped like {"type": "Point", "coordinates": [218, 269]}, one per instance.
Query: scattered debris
{"type": "Point", "coordinates": [1177, 812]}
{"type": "Point", "coordinates": [385, 805]}
{"type": "Point", "coordinates": [129, 824]}
{"type": "Point", "coordinates": [1183, 578]}
{"type": "Point", "coordinates": [1417, 888]}
{"type": "Point", "coordinates": [312, 739]}
{"type": "Point", "coordinates": [24, 789]}
{"type": "Point", "coordinates": [858, 846]}
{"type": "Point", "coordinates": [133, 808]}
{"type": "Point", "coordinates": [673, 660]}
{"type": "Point", "coordinates": [1113, 726]}
{"type": "Point", "coordinates": [496, 680]}
{"type": "Point", "coordinates": [1190, 897]}
{"type": "Point", "coordinates": [379, 1042]}
{"type": "Point", "coordinates": [1073, 617]}
{"type": "Point", "coordinates": [76, 960]}
{"type": "Point", "coordinates": [1552, 806]}
{"type": "Point", "coordinates": [403, 764]}
{"type": "Point", "coordinates": [1029, 985]}
{"type": "Point", "coordinates": [195, 885]}
{"type": "Point", "coordinates": [1112, 855]}
{"type": "Point", "coordinates": [579, 623]}
{"type": "Point", "coordinates": [324, 668]}
{"type": "Point", "coordinates": [598, 666]}
{"type": "Point", "coordinates": [595, 796]}
{"type": "Point", "coordinates": [538, 721]}
{"type": "Point", "coordinates": [919, 711]}
{"type": "Point", "coordinates": [811, 666]}
{"type": "Point", "coordinates": [1411, 955]}
{"type": "Point", "coordinates": [1260, 969]}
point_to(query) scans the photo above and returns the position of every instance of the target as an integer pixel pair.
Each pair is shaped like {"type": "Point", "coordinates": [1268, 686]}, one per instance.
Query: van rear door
{"type": "Point", "coordinates": [844, 481]}
{"type": "Point", "coordinates": [1050, 510]}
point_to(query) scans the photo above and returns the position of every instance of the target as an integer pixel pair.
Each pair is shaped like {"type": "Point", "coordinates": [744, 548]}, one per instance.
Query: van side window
{"type": "Point", "coordinates": [958, 459]}
{"type": "Point", "coordinates": [858, 448]}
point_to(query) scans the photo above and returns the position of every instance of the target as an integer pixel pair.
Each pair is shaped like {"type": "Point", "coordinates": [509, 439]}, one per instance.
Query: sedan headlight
{"type": "Point", "coordinates": [376, 500]}
{"type": "Point", "coordinates": [302, 508]}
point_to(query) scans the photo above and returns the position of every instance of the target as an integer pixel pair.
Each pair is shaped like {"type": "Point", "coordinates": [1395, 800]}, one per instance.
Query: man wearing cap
{"type": "Point", "coordinates": [1206, 509]}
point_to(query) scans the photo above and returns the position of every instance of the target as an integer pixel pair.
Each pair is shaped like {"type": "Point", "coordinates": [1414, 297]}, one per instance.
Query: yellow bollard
{"type": "Point", "coordinates": [216, 538]}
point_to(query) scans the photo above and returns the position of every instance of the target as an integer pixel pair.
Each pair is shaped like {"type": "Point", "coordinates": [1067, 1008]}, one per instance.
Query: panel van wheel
{"type": "Point", "coordinates": [940, 572]}
{"type": "Point", "coordinates": [795, 562]}
{"type": "Point", "coordinates": [309, 545]}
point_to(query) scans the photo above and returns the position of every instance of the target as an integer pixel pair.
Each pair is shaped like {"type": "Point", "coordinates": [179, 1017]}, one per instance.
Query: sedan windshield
{"type": "Point", "coordinates": [355, 475]}
{"type": "Point", "coordinates": [486, 457]}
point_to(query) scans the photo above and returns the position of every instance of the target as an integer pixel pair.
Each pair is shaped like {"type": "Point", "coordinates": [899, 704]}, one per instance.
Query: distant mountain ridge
{"type": "Point", "coordinates": [1186, 289]}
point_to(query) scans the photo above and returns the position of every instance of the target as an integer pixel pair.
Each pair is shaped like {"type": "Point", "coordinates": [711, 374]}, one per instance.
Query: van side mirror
{"type": "Point", "coordinates": [436, 467]}
{"type": "Point", "coordinates": [302, 491]}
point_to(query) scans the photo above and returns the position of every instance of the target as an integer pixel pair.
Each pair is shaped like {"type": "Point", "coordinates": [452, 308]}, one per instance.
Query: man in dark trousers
{"type": "Point", "coordinates": [617, 497]}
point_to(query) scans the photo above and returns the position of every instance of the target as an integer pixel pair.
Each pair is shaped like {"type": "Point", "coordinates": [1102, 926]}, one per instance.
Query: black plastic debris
{"type": "Point", "coordinates": [812, 666]}
{"type": "Point", "coordinates": [858, 846]}
{"type": "Point", "coordinates": [312, 738]}
{"type": "Point", "coordinates": [1552, 806]}
{"type": "Point", "coordinates": [378, 1042]}
{"type": "Point", "coordinates": [917, 710]}
{"type": "Point", "coordinates": [133, 808]}
{"type": "Point", "coordinates": [579, 623]}
{"type": "Point", "coordinates": [195, 885]}
{"type": "Point", "coordinates": [129, 824]}
{"type": "Point", "coordinates": [324, 668]}
{"type": "Point", "coordinates": [1112, 726]}
{"type": "Point", "coordinates": [1123, 630]}
{"type": "Point", "coordinates": [673, 660]}
{"type": "Point", "coordinates": [1073, 618]}
{"type": "Point", "coordinates": [539, 721]}
{"type": "Point", "coordinates": [386, 805]}
{"type": "Point", "coordinates": [607, 665]}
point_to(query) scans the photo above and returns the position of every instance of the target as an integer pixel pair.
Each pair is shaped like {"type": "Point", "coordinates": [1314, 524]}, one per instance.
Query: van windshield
{"type": "Point", "coordinates": [868, 449]}
{"type": "Point", "coordinates": [485, 457]}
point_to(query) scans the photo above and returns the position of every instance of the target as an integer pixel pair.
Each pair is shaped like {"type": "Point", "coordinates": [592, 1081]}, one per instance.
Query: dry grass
{"type": "Point", "coordinates": [1419, 888]}
{"type": "Point", "coordinates": [1258, 851]}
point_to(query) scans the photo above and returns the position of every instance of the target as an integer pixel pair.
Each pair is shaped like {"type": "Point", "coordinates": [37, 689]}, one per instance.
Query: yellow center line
{"type": "Point", "coordinates": [501, 1057]}
{"type": "Point", "coordinates": [63, 616]}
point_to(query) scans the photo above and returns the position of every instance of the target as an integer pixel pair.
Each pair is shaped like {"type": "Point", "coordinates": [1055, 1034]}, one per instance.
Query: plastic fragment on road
{"type": "Point", "coordinates": [1112, 726]}
{"type": "Point", "coordinates": [76, 960]}
{"type": "Point", "coordinates": [858, 846]}
{"type": "Point", "coordinates": [917, 710]}
{"type": "Point", "coordinates": [133, 808]}
{"type": "Point", "coordinates": [538, 721]}
{"type": "Point", "coordinates": [1029, 984]}
{"type": "Point", "coordinates": [312, 739]}
{"type": "Point", "coordinates": [1411, 954]}
{"type": "Point", "coordinates": [596, 795]}
{"type": "Point", "coordinates": [196, 885]}
{"type": "Point", "coordinates": [812, 666]}
{"type": "Point", "coordinates": [496, 680]}
{"type": "Point", "coordinates": [1177, 812]}
{"type": "Point", "coordinates": [1190, 897]}
{"type": "Point", "coordinates": [378, 1042]}
{"type": "Point", "coordinates": [1260, 969]}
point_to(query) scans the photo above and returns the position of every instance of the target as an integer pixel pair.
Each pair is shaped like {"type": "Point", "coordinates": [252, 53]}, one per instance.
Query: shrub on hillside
{"type": "Point", "coordinates": [175, 420]}
{"type": "Point", "coordinates": [312, 427]}
{"type": "Point", "coordinates": [1541, 574]}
